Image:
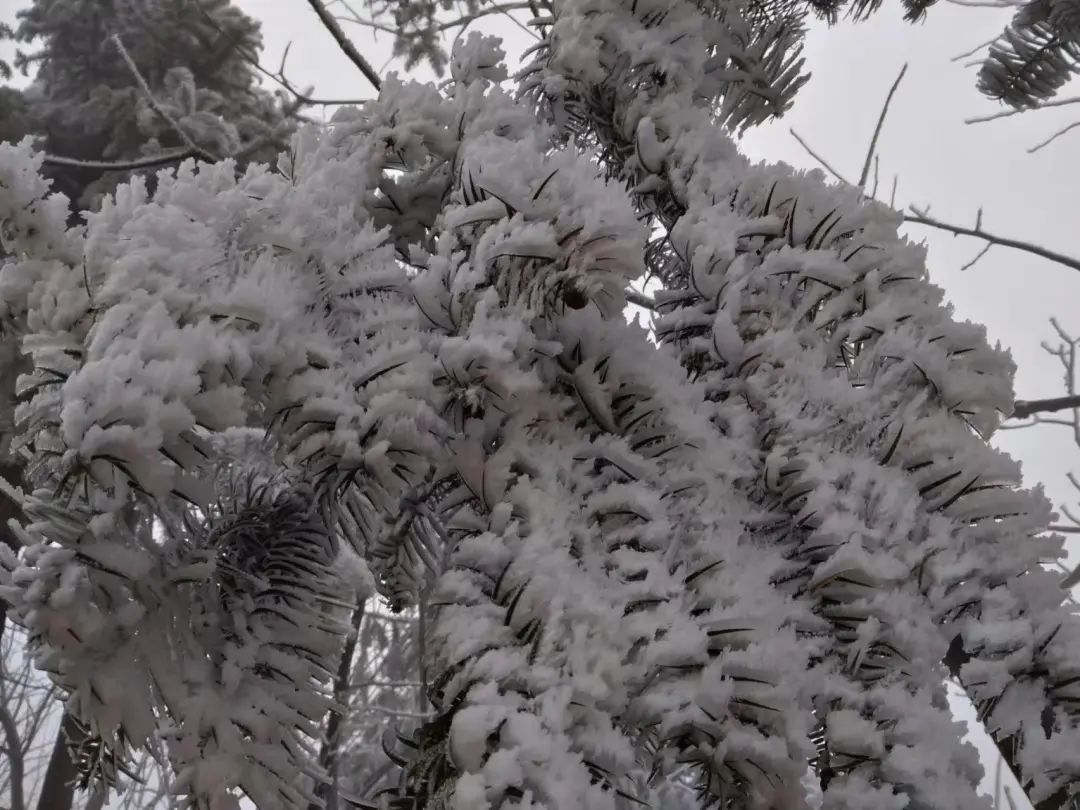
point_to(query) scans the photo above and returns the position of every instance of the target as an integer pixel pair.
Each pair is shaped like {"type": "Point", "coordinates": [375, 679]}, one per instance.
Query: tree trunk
{"type": "Point", "coordinates": [58, 787]}
{"type": "Point", "coordinates": [330, 748]}
{"type": "Point", "coordinates": [13, 745]}
{"type": "Point", "coordinates": [8, 510]}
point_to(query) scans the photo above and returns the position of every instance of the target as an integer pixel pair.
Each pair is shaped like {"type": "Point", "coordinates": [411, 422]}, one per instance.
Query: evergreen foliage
{"type": "Point", "coordinates": [730, 570]}
{"type": "Point", "coordinates": [1036, 55]}
{"type": "Point", "coordinates": [85, 103]}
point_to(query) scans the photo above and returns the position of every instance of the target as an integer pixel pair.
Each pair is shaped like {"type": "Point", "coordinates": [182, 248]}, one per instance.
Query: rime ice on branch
{"type": "Point", "coordinates": [705, 569]}
{"type": "Point", "coordinates": [870, 410]}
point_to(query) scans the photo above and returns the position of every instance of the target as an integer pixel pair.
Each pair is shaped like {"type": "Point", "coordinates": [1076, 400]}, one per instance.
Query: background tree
{"type": "Point", "coordinates": [127, 80]}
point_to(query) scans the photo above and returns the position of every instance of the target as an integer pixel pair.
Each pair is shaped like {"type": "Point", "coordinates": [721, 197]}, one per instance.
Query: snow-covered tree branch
{"type": "Point", "coordinates": [730, 570]}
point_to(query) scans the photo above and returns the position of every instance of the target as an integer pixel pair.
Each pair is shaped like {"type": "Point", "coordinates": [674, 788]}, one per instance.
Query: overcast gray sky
{"type": "Point", "coordinates": [939, 161]}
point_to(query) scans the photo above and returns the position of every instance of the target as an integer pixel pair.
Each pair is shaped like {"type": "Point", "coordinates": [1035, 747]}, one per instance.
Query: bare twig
{"type": "Point", "coordinates": [506, 13]}
{"type": "Point", "coordinates": [1054, 137]}
{"type": "Point", "coordinates": [865, 173]}
{"type": "Point", "coordinates": [279, 77]}
{"type": "Point", "coordinates": [1025, 408]}
{"type": "Point", "coordinates": [979, 255]}
{"type": "Point", "coordinates": [1057, 102]}
{"type": "Point", "coordinates": [306, 99]}
{"type": "Point", "coordinates": [449, 25]}
{"type": "Point", "coordinates": [977, 48]}
{"type": "Point", "coordinates": [1066, 354]}
{"type": "Point", "coordinates": [819, 158]}
{"type": "Point", "coordinates": [345, 43]}
{"type": "Point", "coordinates": [1037, 420]}
{"type": "Point", "coordinates": [921, 217]}
{"type": "Point", "coordinates": [302, 98]}
{"type": "Point", "coordinates": [312, 101]}
{"type": "Point", "coordinates": [365, 22]}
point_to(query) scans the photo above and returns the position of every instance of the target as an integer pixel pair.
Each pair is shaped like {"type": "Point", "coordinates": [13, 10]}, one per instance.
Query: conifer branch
{"type": "Point", "coordinates": [156, 105]}
{"type": "Point", "coordinates": [174, 156]}
{"type": "Point", "coordinates": [640, 300]}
